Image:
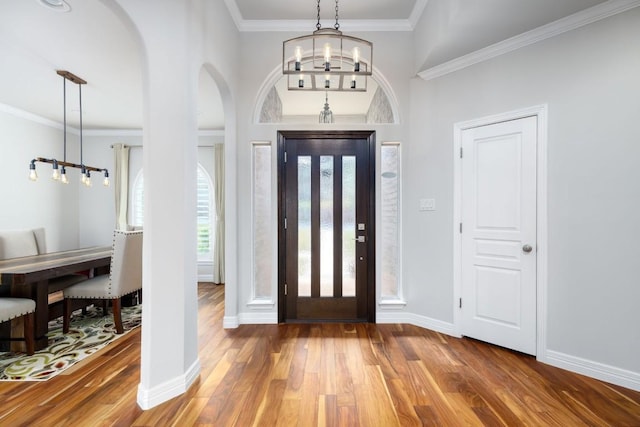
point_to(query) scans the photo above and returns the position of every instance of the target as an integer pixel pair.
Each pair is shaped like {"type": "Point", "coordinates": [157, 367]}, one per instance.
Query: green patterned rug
{"type": "Point", "coordinates": [87, 334]}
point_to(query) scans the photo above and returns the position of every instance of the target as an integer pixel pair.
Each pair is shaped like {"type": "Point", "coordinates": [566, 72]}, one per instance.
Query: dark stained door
{"type": "Point", "coordinates": [326, 243]}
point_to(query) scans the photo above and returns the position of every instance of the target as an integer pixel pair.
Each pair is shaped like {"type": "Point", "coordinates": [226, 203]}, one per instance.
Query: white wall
{"type": "Point", "coordinates": [262, 54]}
{"type": "Point", "coordinates": [589, 79]}
{"type": "Point", "coordinates": [44, 203]}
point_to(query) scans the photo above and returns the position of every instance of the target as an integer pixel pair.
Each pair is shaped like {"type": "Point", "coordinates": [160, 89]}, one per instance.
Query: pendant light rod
{"type": "Point", "coordinates": [80, 104]}
{"type": "Point", "coordinates": [64, 118]}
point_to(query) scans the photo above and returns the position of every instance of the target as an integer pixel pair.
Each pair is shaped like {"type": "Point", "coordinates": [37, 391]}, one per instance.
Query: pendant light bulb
{"type": "Point", "coordinates": [105, 182]}
{"type": "Point", "coordinates": [55, 175]}
{"type": "Point", "coordinates": [63, 176]}
{"type": "Point", "coordinates": [33, 176]}
{"type": "Point", "coordinates": [87, 179]}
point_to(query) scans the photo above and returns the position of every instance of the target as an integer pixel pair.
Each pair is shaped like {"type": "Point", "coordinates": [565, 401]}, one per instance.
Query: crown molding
{"type": "Point", "coordinates": [232, 7]}
{"type": "Point", "coordinates": [416, 13]}
{"type": "Point", "coordinates": [571, 22]}
{"type": "Point", "coordinates": [112, 132]}
{"type": "Point", "coordinates": [34, 118]}
{"type": "Point", "coordinates": [22, 114]}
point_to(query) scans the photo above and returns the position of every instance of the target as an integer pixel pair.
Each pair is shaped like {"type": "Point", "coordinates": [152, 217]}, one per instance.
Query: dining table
{"type": "Point", "coordinates": [34, 276]}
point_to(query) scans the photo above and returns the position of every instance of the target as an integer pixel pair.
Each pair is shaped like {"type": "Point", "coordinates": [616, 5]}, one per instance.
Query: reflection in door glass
{"type": "Point", "coordinates": [348, 226]}
{"type": "Point", "coordinates": [304, 226]}
{"type": "Point", "coordinates": [326, 226]}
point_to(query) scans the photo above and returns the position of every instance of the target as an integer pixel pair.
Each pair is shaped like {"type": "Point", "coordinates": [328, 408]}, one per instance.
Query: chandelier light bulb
{"type": "Point", "coordinates": [87, 179]}
{"type": "Point", "coordinates": [298, 58]}
{"type": "Point", "coordinates": [105, 182]}
{"type": "Point", "coordinates": [356, 59]}
{"type": "Point", "coordinates": [327, 57]}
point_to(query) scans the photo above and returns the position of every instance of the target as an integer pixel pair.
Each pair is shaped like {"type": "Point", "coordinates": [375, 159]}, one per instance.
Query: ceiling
{"type": "Point", "coordinates": [261, 10]}
{"type": "Point", "coordinates": [92, 43]}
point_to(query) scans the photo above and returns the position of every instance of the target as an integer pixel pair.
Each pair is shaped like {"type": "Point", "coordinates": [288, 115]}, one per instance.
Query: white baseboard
{"type": "Point", "coordinates": [258, 318]}
{"type": "Point", "coordinates": [230, 322]}
{"type": "Point", "coordinates": [597, 370]}
{"type": "Point", "coordinates": [150, 397]}
{"type": "Point", "coordinates": [205, 277]}
{"type": "Point", "coordinates": [417, 320]}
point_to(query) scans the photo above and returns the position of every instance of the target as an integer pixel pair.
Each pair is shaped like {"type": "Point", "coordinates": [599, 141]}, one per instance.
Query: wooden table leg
{"type": "Point", "coordinates": [37, 292]}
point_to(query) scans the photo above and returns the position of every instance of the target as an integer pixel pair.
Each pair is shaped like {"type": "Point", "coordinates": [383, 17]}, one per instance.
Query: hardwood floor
{"type": "Point", "coordinates": [324, 374]}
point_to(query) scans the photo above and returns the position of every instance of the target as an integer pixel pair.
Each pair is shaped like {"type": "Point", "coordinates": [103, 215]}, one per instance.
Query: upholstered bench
{"type": "Point", "coordinates": [29, 242]}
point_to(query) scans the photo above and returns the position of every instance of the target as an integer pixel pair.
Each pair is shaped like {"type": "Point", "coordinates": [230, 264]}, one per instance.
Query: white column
{"type": "Point", "coordinates": [169, 356]}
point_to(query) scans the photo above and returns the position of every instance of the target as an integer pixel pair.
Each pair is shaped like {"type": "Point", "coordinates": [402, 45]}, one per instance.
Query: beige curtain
{"type": "Point", "coordinates": [121, 184]}
{"type": "Point", "coordinates": [218, 189]}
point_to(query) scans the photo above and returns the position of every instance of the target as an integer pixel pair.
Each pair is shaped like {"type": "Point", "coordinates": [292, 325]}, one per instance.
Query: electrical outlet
{"type": "Point", "coordinates": [427, 205]}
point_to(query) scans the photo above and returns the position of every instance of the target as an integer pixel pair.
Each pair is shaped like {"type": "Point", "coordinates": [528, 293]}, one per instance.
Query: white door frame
{"type": "Point", "coordinates": [539, 111]}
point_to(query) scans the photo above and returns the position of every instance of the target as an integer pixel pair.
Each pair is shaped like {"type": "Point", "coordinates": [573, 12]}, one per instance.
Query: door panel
{"type": "Point", "coordinates": [499, 221]}
{"type": "Point", "coordinates": [326, 191]}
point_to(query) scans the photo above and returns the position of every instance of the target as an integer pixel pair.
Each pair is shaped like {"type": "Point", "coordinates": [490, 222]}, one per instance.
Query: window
{"type": "Point", "coordinates": [262, 233]}
{"type": "Point", "coordinates": [205, 211]}
{"type": "Point", "coordinates": [390, 197]}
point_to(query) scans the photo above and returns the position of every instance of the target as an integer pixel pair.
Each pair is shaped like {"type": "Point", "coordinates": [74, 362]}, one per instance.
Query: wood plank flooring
{"type": "Point", "coordinates": [324, 375]}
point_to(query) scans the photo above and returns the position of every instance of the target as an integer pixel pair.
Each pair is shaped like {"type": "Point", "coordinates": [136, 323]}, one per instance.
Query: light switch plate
{"type": "Point", "coordinates": [427, 205]}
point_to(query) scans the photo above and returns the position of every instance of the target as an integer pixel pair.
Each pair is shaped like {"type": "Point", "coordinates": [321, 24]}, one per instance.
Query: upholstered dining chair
{"type": "Point", "coordinates": [125, 277]}
{"type": "Point", "coordinates": [11, 308]}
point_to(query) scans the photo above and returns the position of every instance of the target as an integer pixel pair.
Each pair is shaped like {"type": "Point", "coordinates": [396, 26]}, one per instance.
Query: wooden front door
{"type": "Point", "coordinates": [326, 236]}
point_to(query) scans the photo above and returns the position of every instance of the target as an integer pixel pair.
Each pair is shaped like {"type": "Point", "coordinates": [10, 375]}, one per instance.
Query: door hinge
{"type": "Point", "coordinates": [460, 228]}
{"type": "Point", "coordinates": [460, 303]}
{"type": "Point", "coordinates": [285, 223]}
{"type": "Point", "coordinates": [285, 289]}
{"type": "Point", "coordinates": [460, 152]}
{"type": "Point", "coordinates": [285, 157]}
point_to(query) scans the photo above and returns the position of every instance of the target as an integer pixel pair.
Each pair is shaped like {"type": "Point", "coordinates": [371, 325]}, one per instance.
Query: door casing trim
{"type": "Point", "coordinates": [370, 136]}
{"type": "Point", "coordinates": [541, 112]}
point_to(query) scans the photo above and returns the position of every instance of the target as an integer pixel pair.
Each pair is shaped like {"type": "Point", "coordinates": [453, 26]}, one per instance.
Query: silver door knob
{"type": "Point", "coordinates": [527, 248]}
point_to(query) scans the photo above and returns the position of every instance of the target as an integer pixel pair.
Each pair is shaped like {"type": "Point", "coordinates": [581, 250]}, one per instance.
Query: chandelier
{"type": "Point", "coordinates": [327, 60]}
{"type": "Point", "coordinates": [59, 166]}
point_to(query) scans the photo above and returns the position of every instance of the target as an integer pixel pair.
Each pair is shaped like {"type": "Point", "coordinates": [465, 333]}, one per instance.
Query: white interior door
{"type": "Point", "coordinates": [499, 234]}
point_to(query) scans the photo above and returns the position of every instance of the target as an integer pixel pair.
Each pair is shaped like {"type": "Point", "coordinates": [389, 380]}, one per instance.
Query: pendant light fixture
{"type": "Point", "coordinates": [60, 174]}
{"type": "Point", "coordinates": [326, 116]}
{"type": "Point", "coordinates": [327, 60]}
